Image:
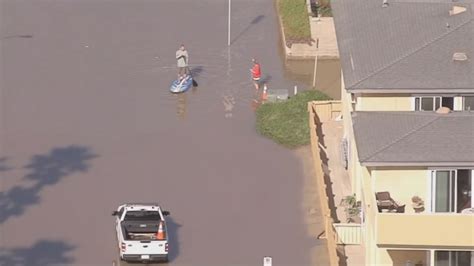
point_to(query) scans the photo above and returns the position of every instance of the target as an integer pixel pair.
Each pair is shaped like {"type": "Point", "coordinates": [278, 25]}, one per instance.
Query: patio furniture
{"type": "Point", "coordinates": [385, 202]}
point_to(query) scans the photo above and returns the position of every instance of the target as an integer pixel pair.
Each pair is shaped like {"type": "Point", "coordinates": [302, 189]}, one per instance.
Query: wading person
{"type": "Point", "coordinates": [182, 61]}
{"type": "Point", "coordinates": [256, 73]}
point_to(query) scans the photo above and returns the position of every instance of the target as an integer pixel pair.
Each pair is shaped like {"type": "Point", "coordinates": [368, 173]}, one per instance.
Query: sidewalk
{"type": "Point", "coordinates": [322, 29]}
{"type": "Point", "coordinates": [337, 183]}
{"type": "Point", "coordinates": [341, 185]}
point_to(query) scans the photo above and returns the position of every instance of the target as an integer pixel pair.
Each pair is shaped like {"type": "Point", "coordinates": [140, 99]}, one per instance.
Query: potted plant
{"type": "Point", "coordinates": [351, 207]}
{"type": "Point", "coordinates": [418, 204]}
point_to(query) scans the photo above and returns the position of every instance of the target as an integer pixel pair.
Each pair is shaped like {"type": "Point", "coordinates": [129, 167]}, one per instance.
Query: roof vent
{"type": "Point", "coordinates": [459, 57]}
{"type": "Point", "coordinates": [457, 10]}
{"type": "Point", "coordinates": [385, 3]}
{"type": "Point", "coordinates": [443, 110]}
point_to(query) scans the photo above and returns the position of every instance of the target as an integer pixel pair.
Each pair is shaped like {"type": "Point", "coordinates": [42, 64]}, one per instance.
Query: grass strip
{"type": "Point", "coordinates": [295, 20]}
{"type": "Point", "coordinates": [287, 122]}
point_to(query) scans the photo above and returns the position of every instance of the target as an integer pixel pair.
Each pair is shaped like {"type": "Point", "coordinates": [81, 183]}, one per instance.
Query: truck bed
{"type": "Point", "coordinates": [140, 230]}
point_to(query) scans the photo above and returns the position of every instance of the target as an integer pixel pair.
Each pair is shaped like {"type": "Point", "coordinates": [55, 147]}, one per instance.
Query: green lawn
{"type": "Point", "coordinates": [295, 19]}
{"type": "Point", "coordinates": [287, 122]}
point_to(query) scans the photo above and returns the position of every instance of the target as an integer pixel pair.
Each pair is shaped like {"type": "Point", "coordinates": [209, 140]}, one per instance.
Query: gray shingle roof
{"type": "Point", "coordinates": [414, 138]}
{"type": "Point", "coordinates": [406, 46]}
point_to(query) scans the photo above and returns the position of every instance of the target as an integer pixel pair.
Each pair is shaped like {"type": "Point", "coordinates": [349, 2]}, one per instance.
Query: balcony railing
{"type": "Point", "coordinates": [348, 234]}
{"type": "Point", "coordinates": [425, 229]}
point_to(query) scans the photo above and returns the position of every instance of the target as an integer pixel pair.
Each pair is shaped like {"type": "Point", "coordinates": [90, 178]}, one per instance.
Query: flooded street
{"type": "Point", "coordinates": [88, 123]}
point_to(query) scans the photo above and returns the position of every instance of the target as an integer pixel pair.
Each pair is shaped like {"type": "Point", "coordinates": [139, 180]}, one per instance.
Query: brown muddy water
{"type": "Point", "coordinates": [328, 76]}
{"type": "Point", "coordinates": [88, 123]}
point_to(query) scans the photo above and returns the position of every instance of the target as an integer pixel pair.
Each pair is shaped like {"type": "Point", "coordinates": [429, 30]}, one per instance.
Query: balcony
{"type": "Point", "coordinates": [452, 230]}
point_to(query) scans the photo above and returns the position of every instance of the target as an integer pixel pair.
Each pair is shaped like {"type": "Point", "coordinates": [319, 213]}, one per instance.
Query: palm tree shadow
{"type": "Point", "coordinates": [255, 21]}
{"type": "Point", "coordinates": [45, 170]}
{"type": "Point", "coordinates": [43, 252]}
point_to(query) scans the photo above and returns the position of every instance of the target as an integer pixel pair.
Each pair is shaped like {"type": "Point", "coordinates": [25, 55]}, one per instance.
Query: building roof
{"type": "Point", "coordinates": [414, 138]}
{"type": "Point", "coordinates": [407, 46]}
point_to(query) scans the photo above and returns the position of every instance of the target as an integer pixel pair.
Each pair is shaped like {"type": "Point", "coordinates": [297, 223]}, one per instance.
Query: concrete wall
{"type": "Point", "coordinates": [403, 184]}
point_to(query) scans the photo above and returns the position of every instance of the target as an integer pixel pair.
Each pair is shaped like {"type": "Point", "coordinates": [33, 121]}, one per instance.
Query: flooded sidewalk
{"type": "Point", "coordinates": [328, 74]}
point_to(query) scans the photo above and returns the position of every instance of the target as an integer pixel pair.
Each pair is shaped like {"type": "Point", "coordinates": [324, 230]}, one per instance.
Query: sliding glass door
{"type": "Point", "coordinates": [444, 186]}
{"type": "Point", "coordinates": [451, 190]}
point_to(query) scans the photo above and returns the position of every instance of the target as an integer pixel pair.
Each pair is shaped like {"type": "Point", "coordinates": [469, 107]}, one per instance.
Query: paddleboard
{"type": "Point", "coordinates": [179, 86]}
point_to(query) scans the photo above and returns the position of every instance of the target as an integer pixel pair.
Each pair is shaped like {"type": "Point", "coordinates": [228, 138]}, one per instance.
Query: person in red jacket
{"type": "Point", "coordinates": [256, 73]}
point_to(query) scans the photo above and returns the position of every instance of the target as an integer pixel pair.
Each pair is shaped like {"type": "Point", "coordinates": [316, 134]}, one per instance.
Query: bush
{"type": "Point", "coordinates": [287, 122]}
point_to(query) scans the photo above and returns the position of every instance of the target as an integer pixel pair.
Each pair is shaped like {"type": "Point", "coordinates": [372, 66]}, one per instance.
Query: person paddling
{"type": "Point", "coordinates": [182, 58]}
{"type": "Point", "coordinates": [256, 73]}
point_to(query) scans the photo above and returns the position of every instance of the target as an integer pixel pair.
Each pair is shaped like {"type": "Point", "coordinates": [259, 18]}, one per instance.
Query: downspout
{"type": "Point", "coordinates": [373, 174]}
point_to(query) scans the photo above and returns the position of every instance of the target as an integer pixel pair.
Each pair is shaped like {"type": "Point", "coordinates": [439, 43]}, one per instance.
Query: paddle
{"type": "Point", "coordinates": [195, 84]}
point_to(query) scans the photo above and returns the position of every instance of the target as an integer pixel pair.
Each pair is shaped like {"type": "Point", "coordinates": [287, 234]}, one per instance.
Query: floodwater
{"type": "Point", "coordinates": [328, 76]}
{"type": "Point", "coordinates": [88, 123]}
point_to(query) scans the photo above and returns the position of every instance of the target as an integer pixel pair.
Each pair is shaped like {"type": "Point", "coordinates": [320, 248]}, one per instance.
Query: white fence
{"type": "Point", "coordinates": [348, 234]}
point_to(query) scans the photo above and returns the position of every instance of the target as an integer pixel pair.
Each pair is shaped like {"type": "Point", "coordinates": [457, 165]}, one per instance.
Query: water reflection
{"type": "Point", "coordinates": [259, 97]}
{"type": "Point", "coordinates": [328, 76]}
{"type": "Point", "coordinates": [229, 103]}
{"type": "Point", "coordinates": [181, 105]}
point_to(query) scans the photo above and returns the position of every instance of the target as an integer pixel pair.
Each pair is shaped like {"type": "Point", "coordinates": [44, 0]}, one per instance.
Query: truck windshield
{"type": "Point", "coordinates": [142, 216]}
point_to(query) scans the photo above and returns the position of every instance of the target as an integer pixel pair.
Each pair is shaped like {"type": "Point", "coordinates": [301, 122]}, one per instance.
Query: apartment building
{"type": "Point", "coordinates": [408, 111]}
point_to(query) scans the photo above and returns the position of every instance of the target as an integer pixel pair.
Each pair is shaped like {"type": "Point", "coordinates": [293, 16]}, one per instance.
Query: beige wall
{"type": "Point", "coordinates": [428, 230]}
{"type": "Point", "coordinates": [401, 257]}
{"type": "Point", "coordinates": [353, 161]}
{"type": "Point", "coordinates": [392, 102]}
{"type": "Point", "coordinates": [386, 102]}
{"type": "Point", "coordinates": [346, 108]}
{"type": "Point", "coordinates": [403, 184]}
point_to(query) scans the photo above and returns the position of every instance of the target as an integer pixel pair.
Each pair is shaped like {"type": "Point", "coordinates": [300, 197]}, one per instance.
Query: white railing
{"type": "Point", "coordinates": [348, 234]}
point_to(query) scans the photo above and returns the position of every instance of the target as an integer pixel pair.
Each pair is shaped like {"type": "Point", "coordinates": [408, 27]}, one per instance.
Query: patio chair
{"type": "Point", "coordinates": [385, 202]}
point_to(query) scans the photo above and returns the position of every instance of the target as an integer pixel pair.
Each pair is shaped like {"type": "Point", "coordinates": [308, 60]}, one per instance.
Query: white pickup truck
{"type": "Point", "coordinates": [141, 232]}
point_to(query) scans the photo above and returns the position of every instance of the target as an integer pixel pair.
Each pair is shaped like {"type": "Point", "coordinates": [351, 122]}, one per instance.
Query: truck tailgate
{"type": "Point", "coordinates": [146, 247]}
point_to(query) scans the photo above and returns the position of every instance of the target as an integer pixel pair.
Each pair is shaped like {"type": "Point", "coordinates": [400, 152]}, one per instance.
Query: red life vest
{"type": "Point", "coordinates": [256, 73]}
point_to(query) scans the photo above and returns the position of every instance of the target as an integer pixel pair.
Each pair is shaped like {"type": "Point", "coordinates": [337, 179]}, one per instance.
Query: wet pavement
{"type": "Point", "coordinates": [88, 123]}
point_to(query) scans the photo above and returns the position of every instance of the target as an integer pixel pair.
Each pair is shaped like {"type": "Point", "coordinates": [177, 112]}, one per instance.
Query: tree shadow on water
{"type": "Point", "coordinates": [255, 21]}
{"type": "Point", "coordinates": [42, 253]}
{"type": "Point", "coordinates": [46, 169]}
{"type": "Point", "coordinates": [3, 164]}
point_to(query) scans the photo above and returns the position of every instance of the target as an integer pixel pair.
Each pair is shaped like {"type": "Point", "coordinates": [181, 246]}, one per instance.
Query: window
{"type": "Point", "coordinates": [453, 258]}
{"type": "Point", "coordinates": [468, 103]}
{"type": "Point", "coordinates": [142, 216]}
{"type": "Point", "coordinates": [451, 190]}
{"type": "Point", "coordinates": [432, 103]}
